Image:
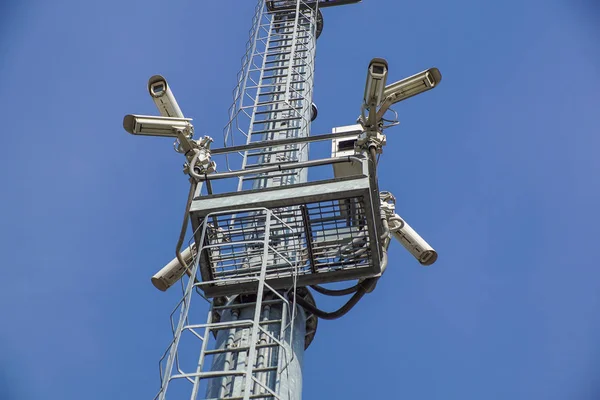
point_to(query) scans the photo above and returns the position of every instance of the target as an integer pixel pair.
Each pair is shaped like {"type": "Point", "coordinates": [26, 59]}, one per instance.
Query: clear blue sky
{"type": "Point", "coordinates": [497, 168]}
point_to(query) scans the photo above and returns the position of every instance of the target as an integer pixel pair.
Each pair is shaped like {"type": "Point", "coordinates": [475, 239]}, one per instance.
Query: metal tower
{"type": "Point", "coordinates": [270, 233]}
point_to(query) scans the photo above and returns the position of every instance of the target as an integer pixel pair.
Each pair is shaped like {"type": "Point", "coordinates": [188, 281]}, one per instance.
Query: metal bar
{"type": "Point", "coordinates": [238, 349]}
{"type": "Point", "coordinates": [240, 305]}
{"type": "Point", "coordinates": [218, 374]}
{"type": "Point", "coordinates": [257, 311]}
{"type": "Point", "coordinates": [281, 110]}
{"type": "Point", "coordinates": [270, 176]}
{"type": "Point", "coordinates": [253, 116]}
{"type": "Point", "coordinates": [268, 121]}
{"type": "Point", "coordinates": [273, 93]}
{"type": "Point", "coordinates": [281, 167]}
{"type": "Point", "coordinates": [254, 396]}
{"type": "Point", "coordinates": [293, 51]}
{"type": "Point", "coordinates": [281, 350]}
{"type": "Point", "coordinates": [262, 357]}
{"type": "Point", "coordinates": [308, 235]}
{"type": "Point", "coordinates": [177, 336]}
{"type": "Point", "coordinates": [271, 152]}
{"type": "Point", "coordinates": [229, 353]}
{"type": "Point", "coordinates": [280, 142]}
{"type": "Point", "coordinates": [196, 386]}
{"type": "Point", "coordinates": [242, 323]}
{"type": "Point", "coordinates": [266, 387]}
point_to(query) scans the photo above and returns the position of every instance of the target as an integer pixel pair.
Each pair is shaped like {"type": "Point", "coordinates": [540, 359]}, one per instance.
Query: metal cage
{"type": "Point", "coordinates": [323, 231]}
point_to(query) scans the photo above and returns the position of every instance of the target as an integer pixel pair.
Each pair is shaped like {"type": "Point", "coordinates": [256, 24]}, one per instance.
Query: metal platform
{"type": "Point", "coordinates": [319, 232]}
{"type": "Point", "coordinates": [277, 5]}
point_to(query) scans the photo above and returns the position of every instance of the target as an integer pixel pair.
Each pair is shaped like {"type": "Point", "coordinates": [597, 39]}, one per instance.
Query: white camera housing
{"type": "Point", "coordinates": [173, 271]}
{"type": "Point", "coordinates": [412, 86]}
{"type": "Point", "coordinates": [148, 125]}
{"type": "Point", "coordinates": [376, 79]}
{"type": "Point", "coordinates": [412, 241]}
{"type": "Point", "coordinates": [163, 97]}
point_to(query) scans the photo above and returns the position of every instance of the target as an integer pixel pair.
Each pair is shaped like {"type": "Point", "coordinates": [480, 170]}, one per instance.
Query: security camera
{"type": "Point", "coordinates": [163, 97]}
{"type": "Point", "coordinates": [156, 126]}
{"type": "Point", "coordinates": [376, 78]}
{"type": "Point", "coordinates": [412, 85]}
{"type": "Point", "coordinates": [173, 271]}
{"type": "Point", "coordinates": [415, 244]}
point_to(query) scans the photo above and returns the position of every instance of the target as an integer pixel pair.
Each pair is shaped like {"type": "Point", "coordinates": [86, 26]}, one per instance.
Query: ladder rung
{"type": "Point", "coordinates": [252, 396]}
{"type": "Point", "coordinates": [301, 58]}
{"type": "Point", "coordinates": [275, 68]}
{"type": "Point", "coordinates": [268, 121]}
{"type": "Point", "coordinates": [296, 76]}
{"type": "Point", "coordinates": [242, 305]}
{"type": "Point", "coordinates": [282, 46]}
{"type": "Point", "coordinates": [218, 374]}
{"type": "Point", "coordinates": [226, 325]}
{"type": "Point", "coordinates": [272, 84]}
{"type": "Point", "coordinates": [282, 40]}
{"type": "Point", "coordinates": [285, 57]}
{"type": "Point", "coordinates": [285, 38]}
{"type": "Point", "coordinates": [287, 128]}
{"type": "Point", "coordinates": [282, 75]}
{"type": "Point", "coordinates": [272, 102]}
{"type": "Point", "coordinates": [276, 53]}
{"type": "Point", "coordinates": [290, 26]}
{"type": "Point", "coordinates": [281, 53]}
{"type": "Point", "coordinates": [247, 325]}
{"type": "Point", "coordinates": [286, 61]}
{"type": "Point", "coordinates": [239, 349]}
{"type": "Point", "coordinates": [289, 23]}
{"type": "Point", "coordinates": [272, 93]}
{"type": "Point", "coordinates": [279, 92]}
{"type": "Point", "coordinates": [276, 80]}
{"type": "Point", "coordinates": [280, 110]}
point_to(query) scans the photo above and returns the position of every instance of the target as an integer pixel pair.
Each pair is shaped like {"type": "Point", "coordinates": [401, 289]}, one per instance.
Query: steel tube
{"type": "Point", "coordinates": [280, 167]}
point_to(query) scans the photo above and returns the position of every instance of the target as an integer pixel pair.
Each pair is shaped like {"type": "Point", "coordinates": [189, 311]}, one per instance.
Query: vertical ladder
{"type": "Point", "coordinates": [276, 94]}
{"type": "Point", "coordinates": [246, 345]}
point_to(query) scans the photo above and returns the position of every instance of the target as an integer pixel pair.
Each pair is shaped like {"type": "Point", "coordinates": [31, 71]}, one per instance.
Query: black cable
{"type": "Point", "coordinates": [359, 289]}
{"type": "Point", "coordinates": [331, 315]}
{"type": "Point", "coordinates": [365, 286]}
{"type": "Point", "coordinates": [336, 292]}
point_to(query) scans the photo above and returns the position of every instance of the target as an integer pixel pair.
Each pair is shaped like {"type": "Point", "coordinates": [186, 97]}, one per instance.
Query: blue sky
{"type": "Point", "coordinates": [497, 168]}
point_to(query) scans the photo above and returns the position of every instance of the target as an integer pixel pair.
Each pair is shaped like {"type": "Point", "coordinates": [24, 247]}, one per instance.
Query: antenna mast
{"type": "Point", "coordinates": [270, 233]}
